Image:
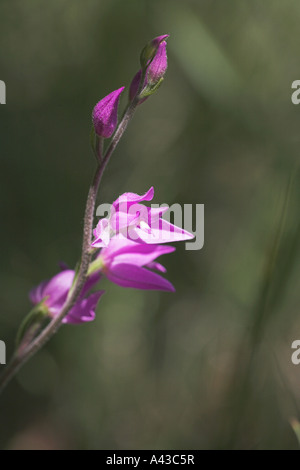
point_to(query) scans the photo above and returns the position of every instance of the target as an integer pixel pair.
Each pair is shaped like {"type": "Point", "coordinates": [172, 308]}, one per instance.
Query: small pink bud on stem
{"type": "Point", "coordinates": [149, 51]}
{"type": "Point", "coordinates": [154, 65]}
{"type": "Point", "coordinates": [105, 114]}
{"type": "Point", "coordinates": [158, 66]}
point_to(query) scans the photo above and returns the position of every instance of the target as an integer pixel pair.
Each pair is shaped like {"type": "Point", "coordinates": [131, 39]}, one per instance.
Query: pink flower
{"type": "Point", "coordinates": [130, 264]}
{"type": "Point", "coordinates": [54, 293]}
{"type": "Point", "coordinates": [149, 51]}
{"type": "Point", "coordinates": [159, 39]}
{"type": "Point", "coordinates": [105, 114]}
{"type": "Point", "coordinates": [137, 222]}
{"type": "Point", "coordinates": [156, 68]}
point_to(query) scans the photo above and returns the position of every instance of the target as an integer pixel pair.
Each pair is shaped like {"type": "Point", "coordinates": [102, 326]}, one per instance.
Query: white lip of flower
{"type": "Point", "coordinates": [108, 232]}
{"type": "Point", "coordinates": [106, 235]}
{"type": "Point", "coordinates": [145, 226]}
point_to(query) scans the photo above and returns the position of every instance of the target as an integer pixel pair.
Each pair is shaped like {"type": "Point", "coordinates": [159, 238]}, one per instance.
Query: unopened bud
{"type": "Point", "coordinates": [155, 56]}
{"type": "Point", "coordinates": [150, 49]}
{"type": "Point", "coordinates": [158, 66]}
{"type": "Point", "coordinates": [105, 114]}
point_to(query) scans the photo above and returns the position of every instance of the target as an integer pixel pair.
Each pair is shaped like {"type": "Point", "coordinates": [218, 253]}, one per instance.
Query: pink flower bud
{"type": "Point", "coordinates": [150, 50]}
{"type": "Point", "coordinates": [159, 64]}
{"type": "Point", "coordinates": [105, 114]}
{"type": "Point", "coordinates": [134, 86]}
{"type": "Point", "coordinates": [156, 41]}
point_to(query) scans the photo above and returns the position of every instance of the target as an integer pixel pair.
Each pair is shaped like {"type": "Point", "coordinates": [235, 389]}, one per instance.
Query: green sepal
{"type": "Point", "coordinates": [96, 265]}
{"type": "Point", "coordinates": [150, 89]}
{"type": "Point", "coordinates": [77, 267]}
{"type": "Point", "coordinates": [147, 55]}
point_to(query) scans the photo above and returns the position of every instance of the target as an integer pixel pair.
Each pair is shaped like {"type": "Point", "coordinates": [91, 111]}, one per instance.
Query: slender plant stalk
{"type": "Point", "coordinates": [260, 317]}
{"type": "Point", "coordinates": [22, 355]}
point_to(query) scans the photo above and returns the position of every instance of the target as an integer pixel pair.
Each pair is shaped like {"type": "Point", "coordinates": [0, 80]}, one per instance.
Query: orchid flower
{"type": "Point", "coordinates": [130, 237]}
{"type": "Point", "coordinates": [137, 222]}
{"type": "Point", "coordinates": [53, 293]}
{"type": "Point", "coordinates": [130, 264]}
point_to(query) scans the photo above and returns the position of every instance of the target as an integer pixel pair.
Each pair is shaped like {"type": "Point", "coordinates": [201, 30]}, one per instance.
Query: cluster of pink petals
{"type": "Point", "coordinates": [130, 240]}
{"type": "Point", "coordinates": [53, 293]}
{"type": "Point", "coordinates": [131, 264]}
{"type": "Point", "coordinates": [137, 222]}
{"type": "Point", "coordinates": [156, 69]}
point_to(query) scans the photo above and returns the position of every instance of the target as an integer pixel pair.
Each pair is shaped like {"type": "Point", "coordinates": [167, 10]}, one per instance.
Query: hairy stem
{"type": "Point", "coordinates": [20, 357]}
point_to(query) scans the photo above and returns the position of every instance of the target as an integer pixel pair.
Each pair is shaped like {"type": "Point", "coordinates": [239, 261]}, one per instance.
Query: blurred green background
{"type": "Point", "coordinates": [207, 367]}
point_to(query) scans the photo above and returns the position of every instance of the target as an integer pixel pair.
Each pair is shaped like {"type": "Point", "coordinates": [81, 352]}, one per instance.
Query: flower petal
{"type": "Point", "coordinates": [63, 266]}
{"type": "Point", "coordinates": [91, 281]}
{"type": "Point", "coordinates": [131, 198]}
{"type": "Point", "coordinates": [55, 289]}
{"type": "Point", "coordinates": [127, 275]}
{"type": "Point", "coordinates": [156, 41]}
{"type": "Point", "coordinates": [101, 234]}
{"type": "Point", "coordinates": [121, 219]}
{"type": "Point", "coordinates": [139, 254]}
{"type": "Point", "coordinates": [157, 266]}
{"type": "Point", "coordinates": [105, 114]}
{"type": "Point", "coordinates": [161, 232]}
{"type": "Point", "coordinates": [84, 310]}
{"type": "Point", "coordinates": [159, 64]}
{"type": "Point", "coordinates": [36, 294]}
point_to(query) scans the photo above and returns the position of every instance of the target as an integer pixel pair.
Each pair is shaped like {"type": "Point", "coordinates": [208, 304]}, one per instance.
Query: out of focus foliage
{"type": "Point", "coordinates": [207, 367]}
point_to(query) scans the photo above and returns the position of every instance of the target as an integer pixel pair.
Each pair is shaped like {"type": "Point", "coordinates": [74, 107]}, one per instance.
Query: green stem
{"type": "Point", "coordinates": [240, 386]}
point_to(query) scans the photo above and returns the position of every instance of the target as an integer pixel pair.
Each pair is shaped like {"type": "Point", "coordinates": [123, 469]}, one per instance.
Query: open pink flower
{"type": "Point", "coordinates": [54, 293]}
{"type": "Point", "coordinates": [137, 222]}
{"type": "Point", "coordinates": [130, 264]}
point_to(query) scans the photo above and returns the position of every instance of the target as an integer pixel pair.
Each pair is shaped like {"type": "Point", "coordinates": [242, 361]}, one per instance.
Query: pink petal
{"type": "Point", "coordinates": [84, 310]}
{"type": "Point", "coordinates": [36, 294]}
{"type": "Point", "coordinates": [119, 220]}
{"type": "Point", "coordinates": [91, 281]}
{"type": "Point", "coordinates": [56, 289]}
{"type": "Point", "coordinates": [101, 234]}
{"type": "Point", "coordinates": [105, 114]}
{"type": "Point", "coordinates": [140, 254]}
{"type": "Point", "coordinates": [133, 197]}
{"type": "Point", "coordinates": [127, 275]}
{"type": "Point", "coordinates": [157, 266]}
{"type": "Point", "coordinates": [156, 41]}
{"type": "Point", "coordinates": [159, 64]}
{"type": "Point", "coordinates": [161, 232]}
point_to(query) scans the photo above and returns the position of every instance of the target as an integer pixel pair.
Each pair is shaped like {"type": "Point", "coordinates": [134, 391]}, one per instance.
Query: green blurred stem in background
{"type": "Point", "coordinates": [262, 310]}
